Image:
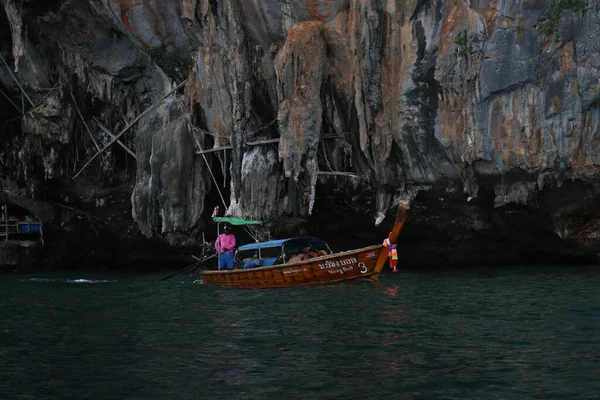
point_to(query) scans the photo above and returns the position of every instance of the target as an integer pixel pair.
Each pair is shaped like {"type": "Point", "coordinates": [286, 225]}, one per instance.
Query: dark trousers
{"type": "Point", "coordinates": [226, 260]}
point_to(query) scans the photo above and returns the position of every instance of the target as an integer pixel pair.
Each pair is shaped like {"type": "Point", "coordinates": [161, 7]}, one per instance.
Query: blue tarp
{"type": "Point", "coordinates": [263, 245]}
{"type": "Point", "coordinates": [298, 242]}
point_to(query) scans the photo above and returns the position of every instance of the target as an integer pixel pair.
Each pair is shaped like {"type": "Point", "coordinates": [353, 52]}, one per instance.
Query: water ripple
{"type": "Point", "coordinates": [68, 280]}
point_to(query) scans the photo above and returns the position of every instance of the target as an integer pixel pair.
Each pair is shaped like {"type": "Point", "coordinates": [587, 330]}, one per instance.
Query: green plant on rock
{"type": "Point", "coordinates": [519, 29]}
{"type": "Point", "coordinates": [549, 24]}
{"type": "Point", "coordinates": [463, 47]}
{"type": "Point", "coordinates": [557, 103]}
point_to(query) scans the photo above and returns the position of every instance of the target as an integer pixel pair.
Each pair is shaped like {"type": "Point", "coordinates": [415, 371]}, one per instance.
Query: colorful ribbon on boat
{"type": "Point", "coordinates": [392, 253]}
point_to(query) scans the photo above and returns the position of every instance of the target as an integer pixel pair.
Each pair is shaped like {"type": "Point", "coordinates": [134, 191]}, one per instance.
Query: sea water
{"type": "Point", "coordinates": [473, 333]}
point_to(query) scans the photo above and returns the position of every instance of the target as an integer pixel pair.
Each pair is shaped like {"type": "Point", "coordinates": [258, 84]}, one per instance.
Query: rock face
{"type": "Point", "coordinates": [484, 114]}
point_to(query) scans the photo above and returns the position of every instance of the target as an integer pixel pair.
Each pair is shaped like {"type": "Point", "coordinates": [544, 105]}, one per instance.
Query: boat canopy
{"type": "Point", "coordinates": [293, 243]}
{"type": "Point", "coordinates": [236, 221]}
{"type": "Point", "coordinates": [263, 245]}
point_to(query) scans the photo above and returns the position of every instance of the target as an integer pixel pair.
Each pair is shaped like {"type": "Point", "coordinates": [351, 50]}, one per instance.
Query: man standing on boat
{"type": "Point", "coordinates": [224, 245]}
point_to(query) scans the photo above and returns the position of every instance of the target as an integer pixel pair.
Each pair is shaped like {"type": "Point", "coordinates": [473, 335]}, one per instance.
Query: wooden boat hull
{"type": "Point", "coordinates": [361, 263]}
{"type": "Point", "coordinates": [366, 262]}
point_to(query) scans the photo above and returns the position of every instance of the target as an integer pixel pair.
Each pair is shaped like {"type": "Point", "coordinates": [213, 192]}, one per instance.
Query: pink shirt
{"type": "Point", "coordinates": [225, 241]}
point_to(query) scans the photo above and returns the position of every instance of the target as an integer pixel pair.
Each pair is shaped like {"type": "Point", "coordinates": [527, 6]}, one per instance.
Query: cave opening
{"type": "Point", "coordinates": [263, 111]}
{"type": "Point", "coordinates": [214, 9]}
{"type": "Point", "coordinates": [39, 8]}
{"type": "Point", "coordinates": [217, 173]}
{"type": "Point", "coordinates": [213, 197]}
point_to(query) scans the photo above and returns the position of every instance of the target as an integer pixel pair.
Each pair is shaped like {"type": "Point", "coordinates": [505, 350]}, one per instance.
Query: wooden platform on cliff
{"type": "Point", "coordinates": [201, 151]}
{"type": "Point", "coordinates": [15, 228]}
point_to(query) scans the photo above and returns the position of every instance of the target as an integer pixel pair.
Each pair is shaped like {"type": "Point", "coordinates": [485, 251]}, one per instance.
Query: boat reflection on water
{"type": "Point", "coordinates": [391, 290]}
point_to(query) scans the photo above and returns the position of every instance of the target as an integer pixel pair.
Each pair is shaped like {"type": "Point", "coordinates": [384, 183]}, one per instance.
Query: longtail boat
{"type": "Point", "coordinates": [275, 272]}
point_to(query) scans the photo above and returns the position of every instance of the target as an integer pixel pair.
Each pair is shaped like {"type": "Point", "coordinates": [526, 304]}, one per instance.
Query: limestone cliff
{"type": "Point", "coordinates": [484, 114]}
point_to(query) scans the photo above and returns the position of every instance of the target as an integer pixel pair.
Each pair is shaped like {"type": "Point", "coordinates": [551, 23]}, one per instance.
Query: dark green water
{"type": "Point", "coordinates": [454, 334]}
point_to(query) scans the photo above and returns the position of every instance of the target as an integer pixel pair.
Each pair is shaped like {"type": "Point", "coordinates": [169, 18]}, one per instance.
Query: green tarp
{"type": "Point", "coordinates": [236, 221]}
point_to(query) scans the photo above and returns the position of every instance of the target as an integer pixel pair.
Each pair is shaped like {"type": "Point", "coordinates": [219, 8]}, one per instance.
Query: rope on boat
{"type": "Point", "coordinates": [251, 234]}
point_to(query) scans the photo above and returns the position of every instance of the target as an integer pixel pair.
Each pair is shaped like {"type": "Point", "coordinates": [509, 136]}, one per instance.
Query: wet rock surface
{"type": "Point", "coordinates": [317, 117]}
